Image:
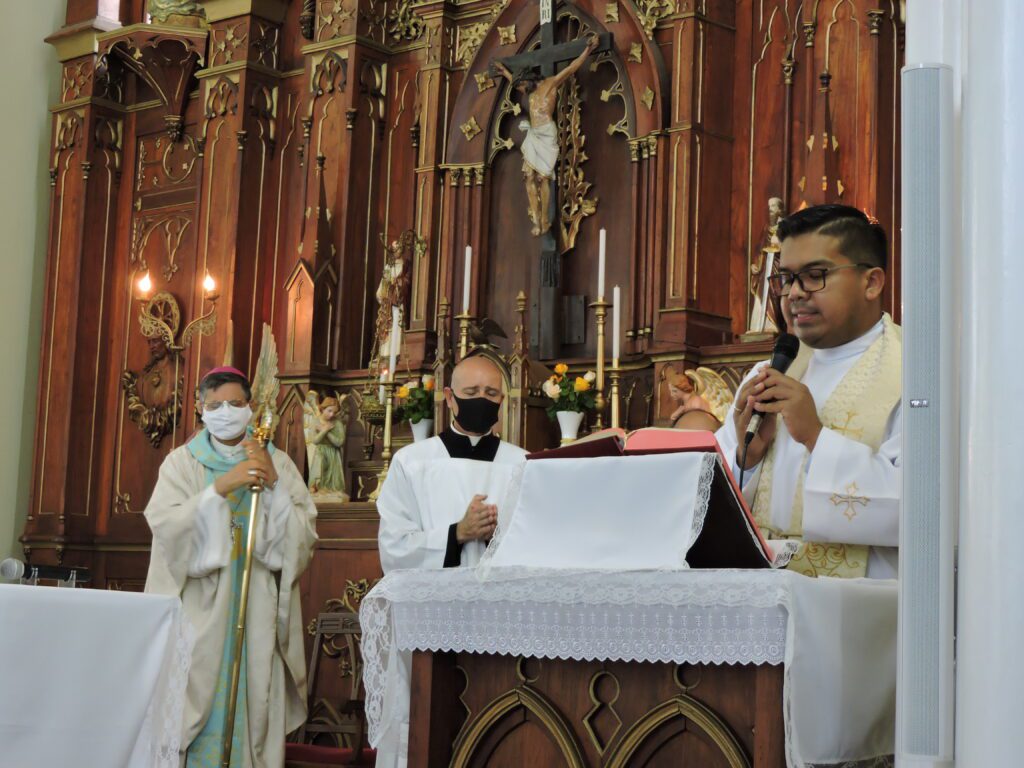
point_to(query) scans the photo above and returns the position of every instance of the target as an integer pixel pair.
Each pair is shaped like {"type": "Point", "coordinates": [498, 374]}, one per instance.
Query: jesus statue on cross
{"type": "Point", "coordinates": [540, 147]}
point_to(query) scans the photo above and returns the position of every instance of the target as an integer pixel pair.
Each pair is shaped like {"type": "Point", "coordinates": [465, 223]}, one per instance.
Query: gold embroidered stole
{"type": "Point", "coordinates": [859, 409]}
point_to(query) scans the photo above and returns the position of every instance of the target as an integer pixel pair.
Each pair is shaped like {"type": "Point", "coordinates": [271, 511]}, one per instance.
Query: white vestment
{"type": "Point", "coordinates": [425, 493]}
{"type": "Point", "coordinates": [839, 467]}
{"type": "Point", "coordinates": [191, 552]}
{"type": "Point", "coordinates": [540, 148]}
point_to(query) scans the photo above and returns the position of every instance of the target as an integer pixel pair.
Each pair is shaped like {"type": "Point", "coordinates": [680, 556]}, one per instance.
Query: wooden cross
{"type": "Point", "coordinates": [849, 500]}
{"type": "Point", "coordinates": [546, 317]}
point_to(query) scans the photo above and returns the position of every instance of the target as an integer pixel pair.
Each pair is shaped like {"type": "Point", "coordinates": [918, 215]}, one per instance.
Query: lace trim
{"type": "Point", "coordinates": [666, 615]}
{"type": "Point", "coordinates": [700, 506]}
{"type": "Point", "coordinates": [162, 727]}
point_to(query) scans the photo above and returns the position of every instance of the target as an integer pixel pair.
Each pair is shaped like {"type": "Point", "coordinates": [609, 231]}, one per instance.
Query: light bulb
{"type": "Point", "coordinates": [145, 284]}
{"type": "Point", "coordinates": [208, 283]}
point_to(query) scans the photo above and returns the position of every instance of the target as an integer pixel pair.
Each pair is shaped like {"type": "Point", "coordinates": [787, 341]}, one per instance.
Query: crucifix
{"type": "Point", "coordinates": [540, 156]}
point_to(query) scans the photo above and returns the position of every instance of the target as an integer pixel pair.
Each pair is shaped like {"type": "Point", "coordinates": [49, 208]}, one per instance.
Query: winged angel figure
{"type": "Point", "coordinates": [699, 389]}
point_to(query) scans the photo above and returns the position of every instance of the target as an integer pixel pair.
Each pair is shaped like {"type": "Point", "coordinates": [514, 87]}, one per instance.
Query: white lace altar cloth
{"type": "Point", "coordinates": [836, 637]}
{"type": "Point", "coordinates": [91, 678]}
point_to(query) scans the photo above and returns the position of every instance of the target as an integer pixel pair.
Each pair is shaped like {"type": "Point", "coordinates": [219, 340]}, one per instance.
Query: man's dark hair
{"type": "Point", "coordinates": [528, 77]}
{"type": "Point", "coordinates": [860, 239]}
{"type": "Point", "coordinates": [215, 380]}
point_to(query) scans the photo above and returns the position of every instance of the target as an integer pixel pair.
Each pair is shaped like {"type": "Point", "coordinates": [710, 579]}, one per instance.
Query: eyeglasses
{"type": "Point", "coordinates": [214, 405]}
{"type": "Point", "coordinates": [811, 280]}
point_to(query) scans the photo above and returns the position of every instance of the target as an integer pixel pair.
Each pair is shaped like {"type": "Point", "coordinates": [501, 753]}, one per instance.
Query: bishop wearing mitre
{"type": "Point", "coordinates": [199, 517]}
{"type": "Point", "coordinates": [439, 504]}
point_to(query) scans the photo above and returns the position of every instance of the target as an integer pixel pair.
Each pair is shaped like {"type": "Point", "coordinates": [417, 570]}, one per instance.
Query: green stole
{"type": "Point", "coordinates": [205, 750]}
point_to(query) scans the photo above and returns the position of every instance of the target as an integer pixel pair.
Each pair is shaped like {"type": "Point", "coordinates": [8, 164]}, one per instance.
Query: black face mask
{"type": "Point", "coordinates": [476, 414]}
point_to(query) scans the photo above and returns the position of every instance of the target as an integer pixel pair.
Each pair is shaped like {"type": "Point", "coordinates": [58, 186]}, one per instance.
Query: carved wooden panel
{"type": "Point", "coordinates": [479, 709]}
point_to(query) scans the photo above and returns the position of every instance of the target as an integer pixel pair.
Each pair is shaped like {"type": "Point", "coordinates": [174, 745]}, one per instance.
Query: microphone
{"type": "Point", "coordinates": [13, 569]}
{"type": "Point", "coordinates": [786, 348]}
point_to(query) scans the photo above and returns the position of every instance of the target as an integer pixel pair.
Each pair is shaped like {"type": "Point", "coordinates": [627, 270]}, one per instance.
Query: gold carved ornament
{"type": "Point", "coordinates": [574, 205]}
{"type": "Point", "coordinates": [154, 395]}
{"type": "Point", "coordinates": [159, 321]}
{"type": "Point", "coordinates": [403, 25]}
{"type": "Point", "coordinates": [470, 129]}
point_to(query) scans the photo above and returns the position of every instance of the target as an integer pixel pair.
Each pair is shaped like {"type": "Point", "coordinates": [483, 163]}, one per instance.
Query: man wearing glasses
{"type": "Point", "coordinates": [199, 515]}
{"type": "Point", "coordinates": [824, 466]}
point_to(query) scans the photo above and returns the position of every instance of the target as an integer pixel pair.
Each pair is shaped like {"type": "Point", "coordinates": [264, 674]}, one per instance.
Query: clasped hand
{"type": "Point", "coordinates": [479, 522]}
{"type": "Point", "coordinates": [257, 469]}
{"type": "Point", "coordinates": [770, 393]}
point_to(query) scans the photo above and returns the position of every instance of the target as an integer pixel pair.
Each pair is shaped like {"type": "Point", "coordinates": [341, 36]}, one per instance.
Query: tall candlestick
{"type": "Point", "coordinates": [466, 280]}
{"type": "Point", "coordinates": [616, 301]}
{"type": "Point", "coordinates": [394, 342]}
{"type": "Point", "coordinates": [600, 264]}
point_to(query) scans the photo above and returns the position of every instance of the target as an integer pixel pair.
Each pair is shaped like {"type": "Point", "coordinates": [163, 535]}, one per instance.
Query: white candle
{"type": "Point", "coordinates": [466, 280]}
{"type": "Point", "coordinates": [600, 265]}
{"type": "Point", "coordinates": [616, 298]}
{"type": "Point", "coordinates": [396, 340]}
{"type": "Point", "coordinates": [380, 393]}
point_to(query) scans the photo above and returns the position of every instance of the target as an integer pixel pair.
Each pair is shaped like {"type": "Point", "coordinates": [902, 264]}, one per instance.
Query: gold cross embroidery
{"type": "Point", "coordinates": [845, 428]}
{"type": "Point", "coordinates": [849, 500]}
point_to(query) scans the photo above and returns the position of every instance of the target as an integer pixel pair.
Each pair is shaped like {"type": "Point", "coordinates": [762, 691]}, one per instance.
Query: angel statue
{"type": "Point", "coordinates": [324, 428]}
{"type": "Point", "coordinates": [763, 265]}
{"type": "Point", "coordinates": [701, 396]}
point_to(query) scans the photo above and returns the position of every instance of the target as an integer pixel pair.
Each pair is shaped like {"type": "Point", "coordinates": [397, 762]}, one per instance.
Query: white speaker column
{"type": "Point", "coordinates": [925, 690]}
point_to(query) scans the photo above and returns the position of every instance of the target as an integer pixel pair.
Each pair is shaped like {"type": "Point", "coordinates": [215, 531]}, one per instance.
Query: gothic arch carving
{"type": "Point", "coordinates": [700, 715]}
{"type": "Point", "coordinates": [526, 698]}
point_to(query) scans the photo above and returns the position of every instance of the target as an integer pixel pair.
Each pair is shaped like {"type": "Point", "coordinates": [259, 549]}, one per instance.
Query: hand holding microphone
{"type": "Point", "coordinates": [747, 419]}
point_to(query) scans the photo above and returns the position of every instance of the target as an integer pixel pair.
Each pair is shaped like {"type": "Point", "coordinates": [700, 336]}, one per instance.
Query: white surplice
{"type": "Point", "coordinates": [425, 493]}
{"type": "Point", "coordinates": [837, 464]}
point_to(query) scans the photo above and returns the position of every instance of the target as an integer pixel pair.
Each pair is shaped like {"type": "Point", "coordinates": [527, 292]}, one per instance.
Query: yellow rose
{"type": "Point", "coordinates": [428, 383]}
{"type": "Point", "coordinates": [561, 369]}
{"type": "Point", "coordinates": [581, 385]}
{"type": "Point", "coordinates": [403, 392]}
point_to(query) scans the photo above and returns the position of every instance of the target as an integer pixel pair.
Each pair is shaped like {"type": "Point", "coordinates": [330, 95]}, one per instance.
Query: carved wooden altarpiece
{"type": "Point", "coordinates": [277, 146]}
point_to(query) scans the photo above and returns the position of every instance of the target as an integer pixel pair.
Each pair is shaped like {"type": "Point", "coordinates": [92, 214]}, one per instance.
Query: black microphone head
{"type": "Point", "coordinates": [787, 346]}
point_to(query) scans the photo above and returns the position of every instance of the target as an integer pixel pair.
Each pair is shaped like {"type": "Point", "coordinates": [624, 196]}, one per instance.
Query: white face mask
{"type": "Point", "coordinates": [227, 422]}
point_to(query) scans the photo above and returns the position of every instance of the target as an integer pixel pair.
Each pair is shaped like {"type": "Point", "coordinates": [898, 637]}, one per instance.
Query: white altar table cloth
{"type": "Point", "coordinates": [91, 678]}
{"type": "Point", "coordinates": [836, 637]}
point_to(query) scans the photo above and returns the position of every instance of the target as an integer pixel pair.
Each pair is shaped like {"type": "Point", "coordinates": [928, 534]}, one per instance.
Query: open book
{"type": "Point", "coordinates": [729, 537]}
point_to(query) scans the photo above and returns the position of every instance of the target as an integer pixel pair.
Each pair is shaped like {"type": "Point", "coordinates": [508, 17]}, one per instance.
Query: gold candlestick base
{"type": "Point", "coordinates": [385, 453]}
{"type": "Point", "coordinates": [465, 319]}
{"type": "Point", "coordinates": [600, 308]}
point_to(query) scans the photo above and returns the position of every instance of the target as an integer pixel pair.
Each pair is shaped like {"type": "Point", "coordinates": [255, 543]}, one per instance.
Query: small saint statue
{"type": "Point", "coordinates": [540, 147]}
{"type": "Point", "coordinates": [324, 428]}
{"type": "Point", "coordinates": [392, 291]}
{"type": "Point", "coordinates": [763, 264]}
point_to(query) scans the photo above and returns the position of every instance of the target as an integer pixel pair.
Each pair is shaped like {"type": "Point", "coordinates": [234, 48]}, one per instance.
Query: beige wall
{"type": "Point", "coordinates": [32, 82]}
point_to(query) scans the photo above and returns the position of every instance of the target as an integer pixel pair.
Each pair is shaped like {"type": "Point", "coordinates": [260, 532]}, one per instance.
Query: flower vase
{"type": "Point", "coordinates": [569, 422]}
{"type": "Point", "coordinates": [422, 429]}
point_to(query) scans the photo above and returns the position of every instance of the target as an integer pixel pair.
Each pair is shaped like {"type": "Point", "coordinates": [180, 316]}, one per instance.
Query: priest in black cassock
{"type": "Point", "coordinates": [439, 504]}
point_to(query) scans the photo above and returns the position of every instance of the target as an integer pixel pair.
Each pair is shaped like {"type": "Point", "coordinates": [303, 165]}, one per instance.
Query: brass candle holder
{"type": "Point", "coordinates": [160, 317]}
{"type": "Point", "coordinates": [385, 453]}
{"type": "Point", "coordinates": [614, 374]}
{"type": "Point", "coordinates": [600, 308]}
{"type": "Point", "coordinates": [465, 319]}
